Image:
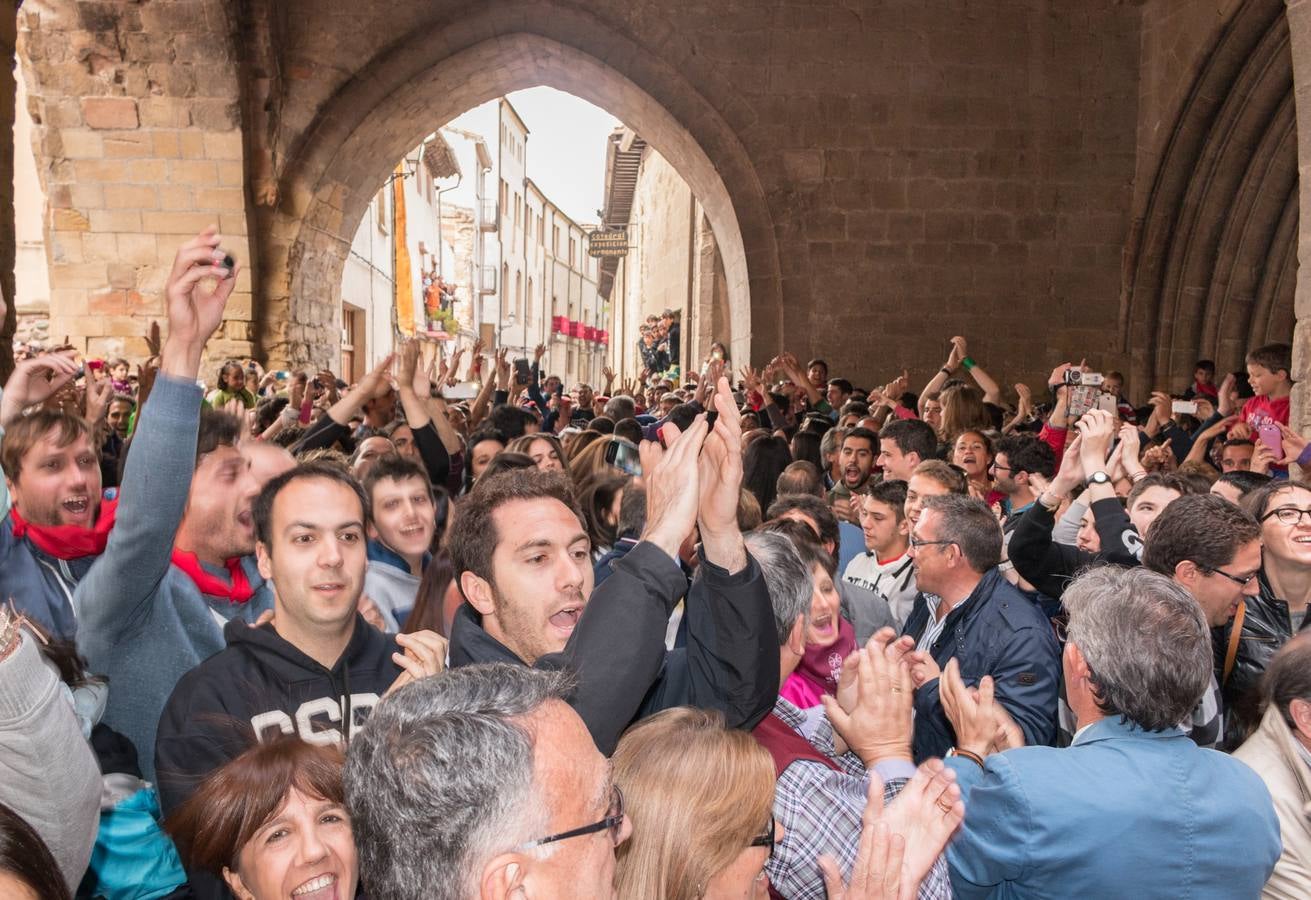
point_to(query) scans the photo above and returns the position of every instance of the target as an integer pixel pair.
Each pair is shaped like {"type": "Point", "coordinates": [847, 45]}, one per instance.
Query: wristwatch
{"type": "Point", "coordinates": [1097, 478]}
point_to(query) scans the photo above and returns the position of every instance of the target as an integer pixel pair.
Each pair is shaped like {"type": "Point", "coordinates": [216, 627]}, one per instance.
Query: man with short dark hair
{"type": "Point", "coordinates": [839, 392]}
{"type": "Point", "coordinates": [522, 559]}
{"type": "Point", "coordinates": [1133, 808]}
{"type": "Point", "coordinates": [856, 454]}
{"type": "Point", "coordinates": [903, 445]}
{"type": "Point", "coordinates": [1212, 549]}
{"type": "Point", "coordinates": [481, 776]}
{"type": "Point", "coordinates": [885, 567]}
{"type": "Point", "coordinates": [632, 522]}
{"type": "Point", "coordinates": [403, 518]}
{"type": "Point", "coordinates": [1018, 457]}
{"type": "Point", "coordinates": [968, 612]}
{"type": "Point", "coordinates": [317, 668]}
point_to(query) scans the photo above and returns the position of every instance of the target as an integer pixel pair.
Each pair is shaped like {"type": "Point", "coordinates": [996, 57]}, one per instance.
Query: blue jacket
{"type": "Point", "coordinates": [997, 631]}
{"type": "Point", "coordinates": [142, 621]}
{"type": "Point", "coordinates": [1120, 813]}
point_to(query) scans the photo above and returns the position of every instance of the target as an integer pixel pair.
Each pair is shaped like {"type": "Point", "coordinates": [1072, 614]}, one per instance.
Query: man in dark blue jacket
{"type": "Point", "coordinates": [969, 612]}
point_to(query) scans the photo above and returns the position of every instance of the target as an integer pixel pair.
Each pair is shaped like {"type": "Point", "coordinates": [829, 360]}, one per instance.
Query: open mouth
{"type": "Point", "coordinates": [77, 506]}
{"type": "Point", "coordinates": [823, 623]}
{"type": "Point", "coordinates": [968, 460]}
{"type": "Point", "coordinates": [321, 887]}
{"type": "Point", "coordinates": [567, 619]}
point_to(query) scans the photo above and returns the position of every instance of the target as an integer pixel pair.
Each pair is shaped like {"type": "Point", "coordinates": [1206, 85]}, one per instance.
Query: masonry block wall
{"type": "Point", "coordinates": [139, 145]}
{"type": "Point", "coordinates": [900, 171]}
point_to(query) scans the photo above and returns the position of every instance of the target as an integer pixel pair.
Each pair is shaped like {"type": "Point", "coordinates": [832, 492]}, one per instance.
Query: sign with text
{"type": "Point", "coordinates": [601, 244]}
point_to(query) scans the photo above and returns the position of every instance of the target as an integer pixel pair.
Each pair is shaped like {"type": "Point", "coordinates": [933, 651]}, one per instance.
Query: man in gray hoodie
{"type": "Point", "coordinates": [177, 565]}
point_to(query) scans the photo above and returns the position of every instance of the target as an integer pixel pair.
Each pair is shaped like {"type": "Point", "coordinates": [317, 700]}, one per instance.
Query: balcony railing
{"type": "Point", "coordinates": [490, 218]}
{"type": "Point", "coordinates": [487, 280]}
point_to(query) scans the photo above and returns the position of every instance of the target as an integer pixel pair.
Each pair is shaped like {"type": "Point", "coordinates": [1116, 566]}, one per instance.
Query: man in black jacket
{"type": "Point", "coordinates": [522, 560]}
{"type": "Point", "coordinates": [317, 669]}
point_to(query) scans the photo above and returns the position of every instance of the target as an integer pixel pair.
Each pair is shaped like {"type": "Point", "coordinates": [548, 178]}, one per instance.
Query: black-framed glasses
{"type": "Point", "coordinates": [766, 838]}
{"type": "Point", "coordinates": [614, 821]}
{"type": "Point", "coordinates": [996, 468]}
{"type": "Point", "coordinates": [918, 542]}
{"type": "Point", "coordinates": [1242, 581]}
{"type": "Point", "coordinates": [1288, 515]}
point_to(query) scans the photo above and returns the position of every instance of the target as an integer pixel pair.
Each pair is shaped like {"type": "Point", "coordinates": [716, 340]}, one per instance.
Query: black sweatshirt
{"type": "Point", "coordinates": [257, 686]}
{"type": "Point", "coordinates": [617, 652]}
{"type": "Point", "coordinates": [1050, 566]}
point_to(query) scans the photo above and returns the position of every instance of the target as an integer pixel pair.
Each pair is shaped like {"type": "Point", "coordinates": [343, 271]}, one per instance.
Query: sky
{"type": "Point", "coordinates": [566, 148]}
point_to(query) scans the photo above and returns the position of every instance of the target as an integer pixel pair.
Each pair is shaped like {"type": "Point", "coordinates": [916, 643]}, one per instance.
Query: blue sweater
{"type": "Point", "coordinates": [141, 620]}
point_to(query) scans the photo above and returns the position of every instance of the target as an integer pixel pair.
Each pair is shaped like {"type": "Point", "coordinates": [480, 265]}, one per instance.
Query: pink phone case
{"type": "Point", "coordinates": [1271, 437]}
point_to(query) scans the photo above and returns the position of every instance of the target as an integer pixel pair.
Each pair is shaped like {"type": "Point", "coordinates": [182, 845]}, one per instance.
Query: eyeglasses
{"type": "Point", "coordinates": [917, 542]}
{"type": "Point", "coordinates": [614, 821]}
{"type": "Point", "coordinates": [1236, 579]}
{"type": "Point", "coordinates": [1288, 515]}
{"type": "Point", "coordinates": [997, 468]}
{"type": "Point", "coordinates": [766, 838]}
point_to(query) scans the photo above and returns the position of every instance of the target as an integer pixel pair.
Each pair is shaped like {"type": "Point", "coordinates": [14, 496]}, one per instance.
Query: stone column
{"type": "Point", "coordinates": [8, 38]}
{"type": "Point", "coordinates": [1299, 26]}
{"type": "Point", "coordinates": [138, 143]}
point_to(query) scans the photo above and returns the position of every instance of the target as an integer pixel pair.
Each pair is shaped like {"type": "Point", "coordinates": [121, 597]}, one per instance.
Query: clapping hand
{"type": "Point", "coordinates": [424, 655]}
{"type": "Point", "coordinates": [878, 726]}
{"type": "Point", "coordinates": [34, 381]}
{"type": "Point", "coordinates": [981, 723]}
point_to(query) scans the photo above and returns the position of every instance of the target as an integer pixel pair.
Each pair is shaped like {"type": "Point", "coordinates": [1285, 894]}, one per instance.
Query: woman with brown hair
{"type": "Point", "coordinates": [700, 797]}
{"type": "Point", "coordinates": [544, 449]}
{"type": "Point", "coordinates": [272, 822]}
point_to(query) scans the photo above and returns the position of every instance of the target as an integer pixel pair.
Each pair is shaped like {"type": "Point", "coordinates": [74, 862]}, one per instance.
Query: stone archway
{"type": "Point", "coordinates": [329, 179]}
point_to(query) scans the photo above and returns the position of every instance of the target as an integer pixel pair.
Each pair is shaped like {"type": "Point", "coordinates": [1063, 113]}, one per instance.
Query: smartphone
{"type": "Point", "coordinates": [1270, 435]}
{"type": "Point", "coordinates": [623, 455]}
{"type": "Point", "coordinates": [710, 424]}
{"type": "Point", "coordinates": [1187, 407]}
{"type": "Point", "coordinates": [522, 374]}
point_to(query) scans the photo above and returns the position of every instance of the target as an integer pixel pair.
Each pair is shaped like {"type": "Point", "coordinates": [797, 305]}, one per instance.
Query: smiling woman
{"type": "Point", "coordinates": [271, 824]}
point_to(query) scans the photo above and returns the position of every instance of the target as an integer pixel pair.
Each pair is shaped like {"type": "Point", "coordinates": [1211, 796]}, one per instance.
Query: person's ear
{"type": "Point", "coordinates": [1300, 712]}
{"type": "Point", "coordinates": [478, 591]}
{"type": "Point", "coordinates": [1079, 667]}
{"type": "Point", "coordinates": [264, 560]}
{"type": "Point", "coordinates": [1020, 478]}
{"type": "Point", "coordinates": [1187, 573]}
{"type": "Point", "coordinates": [903, 525]}
{"type": "Point", "coordinates": [236, 885]}
{"type": "Point", "coordinates": [504, 876]}
{"type": "Point", "coordinates": [373, 532]}
{"type": "Point", "coordinates": [797, 637]}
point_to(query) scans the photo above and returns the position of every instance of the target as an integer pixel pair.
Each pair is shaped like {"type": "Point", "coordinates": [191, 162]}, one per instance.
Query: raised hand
{"type": "Point", "coordinates": [410, 368]}
{"type": "Point", "coordinates": [1097, 428]}
{"type": "Point", "coordinates": [503, 369]}
{"type": "Point", "coordinates": [1293, 445]}
{"type": "Point", "coordinates": [1262, 459]}
{"type": "Point", "coordinates": [34, 381]}
{"type": "Point", "coordinates": [376, 382]}
{"type": "Point", "coordinates": [879, 725]}
{"type": "Point", "coordinates": [99, 392]}
{"type": "Point", "coordinates": [720, 474]}
{"type": "Point", "coordinates": [538, 352]}
{"type": "Point", "coordinates": [673, 484]}
{"type": "Point", "coordinates": [926, 814]}
{"type": "Point", "coordinates": [195, 313]}
{"type": "Point", "coordinates": [424, 655]}
{"type": "Point", "coordinates": [979, 721]}
{"type": "Point", "coordinates": [880, 855]}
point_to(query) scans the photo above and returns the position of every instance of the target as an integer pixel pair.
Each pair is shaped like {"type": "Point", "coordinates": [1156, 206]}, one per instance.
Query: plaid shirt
{"type": "Point", "coordinates": [820, 811]}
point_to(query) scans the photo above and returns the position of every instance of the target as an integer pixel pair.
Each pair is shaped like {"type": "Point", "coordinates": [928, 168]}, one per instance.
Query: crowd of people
{"type": "Point", "coordinates": [698, 634]}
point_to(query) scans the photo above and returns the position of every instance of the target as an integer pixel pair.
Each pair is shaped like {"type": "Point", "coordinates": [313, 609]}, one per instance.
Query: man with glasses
{"type": "Point", "coordinates": [1212, 549]}
{"type": "Point", "coordinates": [483, 783]}
{"type": "Point", "coordinates": [969, 612]}
{"type": "Point", "coordinates": [1020, 456]}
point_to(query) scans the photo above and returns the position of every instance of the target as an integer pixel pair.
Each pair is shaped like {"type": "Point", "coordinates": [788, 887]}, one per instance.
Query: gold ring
{"type": "Point", "coordinates": [943, 805]}
{"type": "Point", "coordinates": [897, 690]}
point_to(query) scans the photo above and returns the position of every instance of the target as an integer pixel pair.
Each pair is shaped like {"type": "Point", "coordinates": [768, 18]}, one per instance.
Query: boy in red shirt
{"type": "Point", "coordinates": [1268, 369]}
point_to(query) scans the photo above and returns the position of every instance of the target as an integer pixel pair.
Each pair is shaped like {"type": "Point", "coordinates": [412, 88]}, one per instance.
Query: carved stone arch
{"type": "Point", "coordinates": [429, 78]}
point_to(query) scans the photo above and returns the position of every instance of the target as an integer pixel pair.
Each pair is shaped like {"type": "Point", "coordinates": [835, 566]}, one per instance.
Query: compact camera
{"type": "Point", "coordinates": [1090, 379]}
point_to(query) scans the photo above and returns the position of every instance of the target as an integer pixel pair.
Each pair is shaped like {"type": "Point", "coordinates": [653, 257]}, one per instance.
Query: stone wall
{"type": "Point", "coordinates": [879, 176]}
{"type": "Point", "coordinates": [138, 140]}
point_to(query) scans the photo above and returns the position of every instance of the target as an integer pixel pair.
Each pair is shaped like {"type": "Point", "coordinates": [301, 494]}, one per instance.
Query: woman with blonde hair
{"type": "Point", "coordinates": [591, 460]}
{"type": "Point", "coordinates": [700, 797]}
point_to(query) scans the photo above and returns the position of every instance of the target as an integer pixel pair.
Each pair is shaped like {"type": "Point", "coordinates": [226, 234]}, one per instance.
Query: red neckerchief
{"type": "Point", "coordinates": [68, 541]}
{"type": "Point", "coordinates": [238, 592]}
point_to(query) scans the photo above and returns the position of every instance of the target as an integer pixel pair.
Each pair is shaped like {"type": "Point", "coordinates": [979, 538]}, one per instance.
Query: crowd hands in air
{"type": "Point", "coordinates": [454, 631]}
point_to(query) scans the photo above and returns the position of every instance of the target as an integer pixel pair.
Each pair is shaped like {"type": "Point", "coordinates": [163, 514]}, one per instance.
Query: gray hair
{"type": "Point", "coordinates": [787, 579]}
{"type": "Point", "coordinates": [971, 526]}
{"type": "Point", "coordinates": [441, 779]}
{"type": "Point", "coordinates": [620, 407]}
{"type": "Point", "coordinates": [828, 444]}
{"type": "Point", "coordinates": [1145, 641]}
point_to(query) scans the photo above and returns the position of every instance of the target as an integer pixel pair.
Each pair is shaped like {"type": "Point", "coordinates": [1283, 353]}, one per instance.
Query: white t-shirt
{"type": "Point", "coordinates": [893, 580]}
